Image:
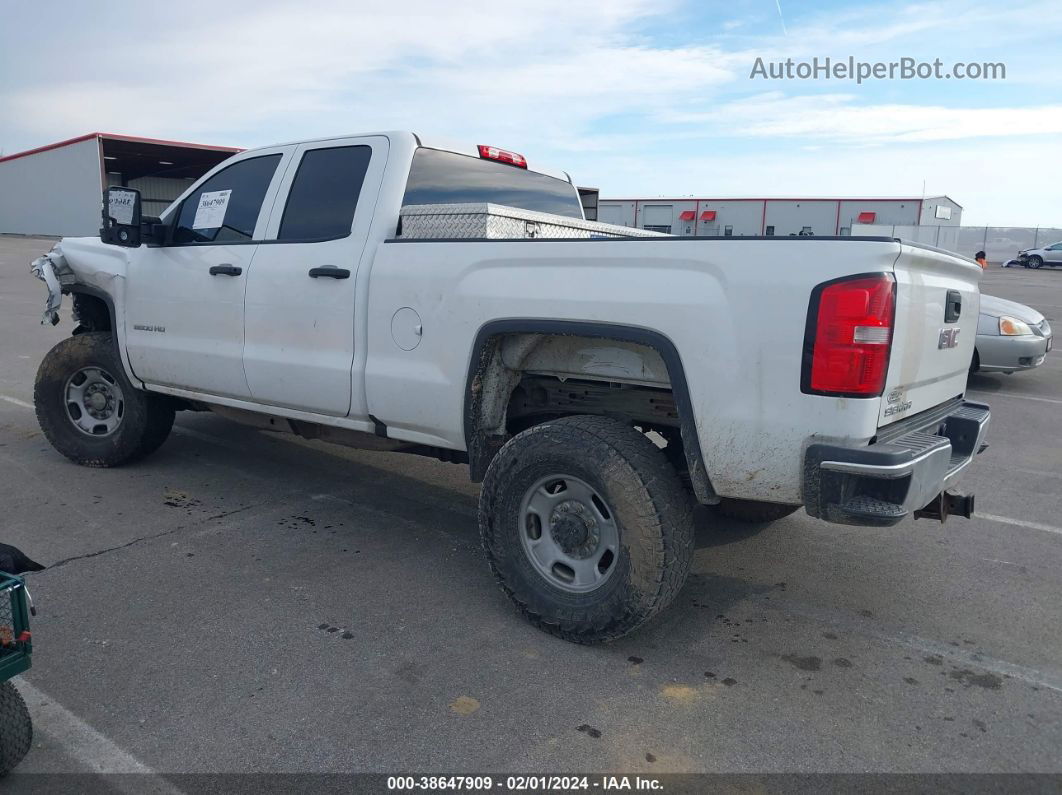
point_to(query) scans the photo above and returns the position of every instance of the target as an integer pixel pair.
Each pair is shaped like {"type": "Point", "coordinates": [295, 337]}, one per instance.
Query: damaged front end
{"type": "Point", "coordinates": [53, 269]}
{"type": "Point", "coordinates": [80, 265]}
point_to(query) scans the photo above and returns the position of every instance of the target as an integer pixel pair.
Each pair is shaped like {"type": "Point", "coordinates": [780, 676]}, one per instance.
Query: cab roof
{"type": "Point", "coordinates": [436, 142]}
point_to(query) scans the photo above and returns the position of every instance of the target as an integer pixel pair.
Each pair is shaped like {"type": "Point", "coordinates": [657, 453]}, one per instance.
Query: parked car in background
{"type": "Point", "coordinates": [1038, 257]}
{"type": "Point", "coordinates": [1010, 336]}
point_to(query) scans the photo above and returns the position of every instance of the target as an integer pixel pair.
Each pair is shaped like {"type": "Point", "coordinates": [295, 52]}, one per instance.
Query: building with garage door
{"type": "Point", "coordinates": [776, 217]}
{"type": "Point", "coordinates": [57, 189]}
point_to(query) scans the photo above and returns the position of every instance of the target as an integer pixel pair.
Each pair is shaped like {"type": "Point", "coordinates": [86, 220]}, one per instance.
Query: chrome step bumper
{"type": "Point", "coordinates": [880, 484]}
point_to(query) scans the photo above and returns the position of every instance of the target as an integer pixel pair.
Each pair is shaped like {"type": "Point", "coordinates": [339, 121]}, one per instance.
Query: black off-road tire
{"type": "Point", "coordinates": [16, 729]}
{"type": "Point", "coordinates": [754, 511]}
{"type": "Point", "coordinates": [146, 420]}
{"type": "Point", "coordinates": [651, 508]}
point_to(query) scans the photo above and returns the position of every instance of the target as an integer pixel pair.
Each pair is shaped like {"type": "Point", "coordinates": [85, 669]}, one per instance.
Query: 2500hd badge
{"type": "Point", "coordinates": [897, 405]}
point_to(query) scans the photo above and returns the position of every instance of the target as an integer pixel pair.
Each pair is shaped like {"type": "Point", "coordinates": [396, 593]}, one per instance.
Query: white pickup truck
{"type": "Point", "coordinates": [388, 292]}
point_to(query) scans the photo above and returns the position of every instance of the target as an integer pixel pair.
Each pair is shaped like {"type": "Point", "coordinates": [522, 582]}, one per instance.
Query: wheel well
{"type": "Point", "coordinates": [521, 375]}
{"type": "Point", "coordinates": [94, 312]}
{"type": "Point", "coordinates": [91, 313]}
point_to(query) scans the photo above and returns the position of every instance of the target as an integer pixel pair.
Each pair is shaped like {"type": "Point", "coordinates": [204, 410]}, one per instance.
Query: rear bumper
{"type": "Point", "coordinates": [882, 483]}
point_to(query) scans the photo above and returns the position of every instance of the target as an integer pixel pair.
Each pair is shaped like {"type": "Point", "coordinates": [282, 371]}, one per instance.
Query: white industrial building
{"type": "Point", "coordinates": [777, 216]}
{"type": "Point", "coordinates": [57, 189]}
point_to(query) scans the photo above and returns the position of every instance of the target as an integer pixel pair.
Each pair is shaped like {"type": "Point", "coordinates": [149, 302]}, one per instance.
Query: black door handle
{"type": "Point", "coordinates": [953, 306]}
{"type": "Point", "coordinates": [225, 270]}
{"type": "Point", "coordinates": [330, 271]}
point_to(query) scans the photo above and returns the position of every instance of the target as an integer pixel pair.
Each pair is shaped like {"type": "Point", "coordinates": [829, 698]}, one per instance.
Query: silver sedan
{"type": "Point", "coordinates": [1010, 336]}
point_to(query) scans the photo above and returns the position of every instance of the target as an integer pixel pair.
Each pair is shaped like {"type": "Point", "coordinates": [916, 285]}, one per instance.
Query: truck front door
{"type": "Point", "coordinates": [300, 304]}
{"type": "Point", "coordinates": [185, 299]}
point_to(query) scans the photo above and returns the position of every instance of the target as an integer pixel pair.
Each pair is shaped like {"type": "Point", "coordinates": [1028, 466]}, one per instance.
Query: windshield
{"type": "Point", "coordinates": [438, 177]}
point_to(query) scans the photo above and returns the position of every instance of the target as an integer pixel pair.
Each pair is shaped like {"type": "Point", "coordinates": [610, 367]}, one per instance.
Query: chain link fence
{"type": "Point", "coordinates": [1000, 243]}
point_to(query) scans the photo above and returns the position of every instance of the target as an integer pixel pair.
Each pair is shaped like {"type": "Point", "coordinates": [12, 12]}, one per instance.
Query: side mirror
{"type": "Point", "coordinates": [121, 217]}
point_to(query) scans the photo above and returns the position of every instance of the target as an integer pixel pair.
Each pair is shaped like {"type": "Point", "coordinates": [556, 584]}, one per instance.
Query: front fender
{"type": "Point", "coordinates": [87, 265]}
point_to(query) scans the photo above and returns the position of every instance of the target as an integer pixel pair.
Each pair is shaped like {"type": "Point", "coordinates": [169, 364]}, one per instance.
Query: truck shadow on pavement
{"type": "Point", "coordinates": [447, 508]}
{"type": "Point", "coordinates": [712, 529]}
{"type": "Point", "coordinates": [374, 480]}
{"type": "Point", "coordinates": [369, 481]}
{"type": "Point", "coordinates": [327, 473]}
{"type": "Point", "coordinates": [989, 382]}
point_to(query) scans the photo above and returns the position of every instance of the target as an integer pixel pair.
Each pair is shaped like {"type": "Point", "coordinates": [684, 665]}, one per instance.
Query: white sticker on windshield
{"type": "Point", "coordinates": [120, 206]}
{"type": "Point", "coordinates": [210, 214]}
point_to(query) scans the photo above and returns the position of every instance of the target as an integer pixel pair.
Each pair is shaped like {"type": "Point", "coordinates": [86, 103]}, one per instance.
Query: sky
{"type": "Point", "coordinates": [639, 98]}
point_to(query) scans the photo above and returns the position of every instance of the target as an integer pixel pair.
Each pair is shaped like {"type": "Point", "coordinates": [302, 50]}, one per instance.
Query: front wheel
{"type": "Point", "coordinates": [16, 729]}
{"type": "Point", "coordinates": [1036, 262]}
{"type": "Point", "coordinates": [586, 526]}
{"type": "Point", "coordinates": [88, 408]}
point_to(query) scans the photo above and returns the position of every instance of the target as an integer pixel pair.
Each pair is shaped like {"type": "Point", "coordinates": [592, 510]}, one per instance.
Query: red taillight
{"type": "Point", "coordinates": [502, 156]}
{"type": "Point", "coordinates": [852, 326]}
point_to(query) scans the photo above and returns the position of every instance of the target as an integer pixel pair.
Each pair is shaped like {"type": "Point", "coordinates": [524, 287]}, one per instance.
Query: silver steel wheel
{"type": "Point", "coordinates": [94, 401]}
{"type": "Point", "coordinates": [569, 533]}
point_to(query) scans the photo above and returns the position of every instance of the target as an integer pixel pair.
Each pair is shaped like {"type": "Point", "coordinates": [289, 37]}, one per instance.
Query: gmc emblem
{"type": "Point", "coordinates": [949, 338]}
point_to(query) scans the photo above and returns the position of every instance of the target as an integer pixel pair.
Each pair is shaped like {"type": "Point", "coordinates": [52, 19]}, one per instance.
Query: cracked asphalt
{"type": "Point", "coordinates": [242, 601]}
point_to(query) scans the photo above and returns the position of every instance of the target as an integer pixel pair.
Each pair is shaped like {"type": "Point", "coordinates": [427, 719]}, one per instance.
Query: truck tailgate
{"type": "Point", "coordinates": [932, 347]}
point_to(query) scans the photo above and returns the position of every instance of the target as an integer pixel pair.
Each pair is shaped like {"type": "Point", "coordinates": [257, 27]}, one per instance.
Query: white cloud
{"type": "Point", "coordinates": [944, 24]}
{"type": "Point", "coordinates": [842, 118]}
{"type": "Point", "coordinates": [546, 71]}
{"type": "Point", "coordinates": [233, 67]}
{"type": "Point", "coordinates": [541, 74]}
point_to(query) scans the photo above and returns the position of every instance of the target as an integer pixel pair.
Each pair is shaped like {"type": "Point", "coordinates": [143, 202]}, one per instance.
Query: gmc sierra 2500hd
{"type": "Point", "coordinates": [393, 293]}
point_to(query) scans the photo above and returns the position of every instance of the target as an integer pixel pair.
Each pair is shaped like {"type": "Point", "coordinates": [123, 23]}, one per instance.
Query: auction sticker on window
{"type": "Point", "coordinates": [210, 214]}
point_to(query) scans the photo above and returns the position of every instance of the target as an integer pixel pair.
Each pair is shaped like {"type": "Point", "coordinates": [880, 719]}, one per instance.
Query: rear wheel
{"type": "Point", "coordinates": [755, 511]}
{"type": "Point", "coordinates": [90, 411]}
{"type": "Point", "coordinates": [16, 729]}
{"type": "Point", "coordinates": [1035, 262]}
{"type": "Point", "coordinates": [586, 526]}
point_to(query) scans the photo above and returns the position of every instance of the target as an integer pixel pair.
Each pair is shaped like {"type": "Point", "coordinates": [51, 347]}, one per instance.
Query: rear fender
{"type": "Point", "coordinates": [486, 387]}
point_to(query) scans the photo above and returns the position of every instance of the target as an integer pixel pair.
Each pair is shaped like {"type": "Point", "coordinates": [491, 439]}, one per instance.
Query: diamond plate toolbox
{"type": "Point", "coordinates": [497, 222]}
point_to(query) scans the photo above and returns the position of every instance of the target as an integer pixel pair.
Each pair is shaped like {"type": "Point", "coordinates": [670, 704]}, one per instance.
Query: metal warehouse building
{"type": "Point", "coordinates": [58, 189]}
{"type": "Point", "coordinates": [777, 216]}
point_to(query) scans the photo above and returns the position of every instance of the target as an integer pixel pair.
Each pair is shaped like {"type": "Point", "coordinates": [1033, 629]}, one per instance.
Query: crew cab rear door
{"type": "Point", "coordinates": [937, 304]}
{"type": "Point", "coordinates": [299, 318]}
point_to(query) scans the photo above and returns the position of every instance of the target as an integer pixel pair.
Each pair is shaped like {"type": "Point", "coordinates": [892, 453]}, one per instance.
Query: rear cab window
{"type": "Point", "coordinates": [225, 208]}
{"type": "Point", "coordinates": [438, 177]}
